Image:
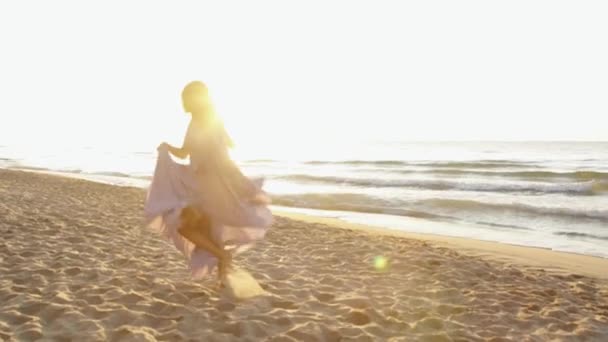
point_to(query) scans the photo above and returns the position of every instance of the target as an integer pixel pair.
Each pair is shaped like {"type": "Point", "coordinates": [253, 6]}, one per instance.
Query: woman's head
{"type": "Point", "coordinates": [195, 98]}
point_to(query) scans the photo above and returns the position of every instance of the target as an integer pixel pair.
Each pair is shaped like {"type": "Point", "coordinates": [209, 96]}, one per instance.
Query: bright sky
{"type": "Point", "coordinates": [110, 72]}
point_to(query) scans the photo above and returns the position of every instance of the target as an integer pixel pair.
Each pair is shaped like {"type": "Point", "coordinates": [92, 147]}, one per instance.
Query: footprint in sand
{"type": "Point", "coordinates": [240, 285]}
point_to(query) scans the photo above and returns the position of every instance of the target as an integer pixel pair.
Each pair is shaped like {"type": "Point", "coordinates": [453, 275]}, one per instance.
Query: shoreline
{"type": "Point", "coordinates": [542, 257]}
{"type": "Point", "coordinates": [554, 261]}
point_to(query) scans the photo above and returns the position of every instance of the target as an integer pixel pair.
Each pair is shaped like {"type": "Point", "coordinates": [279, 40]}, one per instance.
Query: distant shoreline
{"type": "Point", "coordinates": [560, 261]}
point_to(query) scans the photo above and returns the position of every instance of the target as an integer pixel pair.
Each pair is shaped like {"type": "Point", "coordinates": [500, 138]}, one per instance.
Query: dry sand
{"type": "Point", "coordinates": [76, 264]}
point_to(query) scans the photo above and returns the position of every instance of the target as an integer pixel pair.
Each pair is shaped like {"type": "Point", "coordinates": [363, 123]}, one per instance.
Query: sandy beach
{"type": "Point", "coordinates": [77, 264]}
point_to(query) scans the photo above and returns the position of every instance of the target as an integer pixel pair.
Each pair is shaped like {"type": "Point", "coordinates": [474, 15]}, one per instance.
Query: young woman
{"type": "Point", "coordinates": [208, 208]}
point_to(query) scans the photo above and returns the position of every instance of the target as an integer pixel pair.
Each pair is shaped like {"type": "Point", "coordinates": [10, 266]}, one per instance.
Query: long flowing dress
{"type": "Point", "coordinates": [213, 184]}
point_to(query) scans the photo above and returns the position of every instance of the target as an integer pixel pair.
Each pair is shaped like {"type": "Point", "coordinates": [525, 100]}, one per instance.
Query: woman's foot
{"type": "Point", "coordinates": [220, 286]}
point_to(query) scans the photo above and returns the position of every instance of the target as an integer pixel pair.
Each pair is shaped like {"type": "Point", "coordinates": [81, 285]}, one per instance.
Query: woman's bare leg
{"type": "Point", "coordinates": [193, 228]}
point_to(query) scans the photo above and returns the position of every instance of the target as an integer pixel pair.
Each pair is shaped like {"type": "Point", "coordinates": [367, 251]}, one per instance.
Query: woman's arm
{"type": "Point", "coordinates": [179, 152]}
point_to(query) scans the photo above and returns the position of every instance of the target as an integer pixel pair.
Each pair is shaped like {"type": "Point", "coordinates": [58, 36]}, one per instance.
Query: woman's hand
{"type": "Point", "coordinates": [162, 146]}
{"type": "Point", "coordinates": [179, 152]}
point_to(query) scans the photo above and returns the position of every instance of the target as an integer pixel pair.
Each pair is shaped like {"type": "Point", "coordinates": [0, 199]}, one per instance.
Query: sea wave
{"type": "Point", "coordinates": [349, 202]}
{"type": "Point", "coordinates": [480, 164]}
{"type": "Point", "coordinates": [524, 175]}
{"type": "Point", "coordinates": [470, 205]}
{"type": "Point", "coordinates": [578, 188]}
{"type": "Point", "coordinates": [472, 164]}
{"type": "Point", "coordinates": [581, 235]}
{"type": "Point", "coordinates": [80, 172]}
{"type": "Point", "coordinates": [29, 168]}
{"type": "Point", "coordinates": [433, 208]}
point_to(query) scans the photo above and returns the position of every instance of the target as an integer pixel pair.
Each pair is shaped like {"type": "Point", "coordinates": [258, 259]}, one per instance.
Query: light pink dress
{"type": "Point", "coordinates": [212, 183]}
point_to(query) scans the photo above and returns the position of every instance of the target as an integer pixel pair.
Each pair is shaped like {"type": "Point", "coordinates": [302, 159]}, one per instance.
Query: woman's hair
{"type": "Point", "coordinates": [195, 97]}
{"type": "Point", "coordinates": [195, 88]}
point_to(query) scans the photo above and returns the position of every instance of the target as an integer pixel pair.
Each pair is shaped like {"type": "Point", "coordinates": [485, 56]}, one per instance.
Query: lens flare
{"type": "Point", "coordinates": [380, 263]}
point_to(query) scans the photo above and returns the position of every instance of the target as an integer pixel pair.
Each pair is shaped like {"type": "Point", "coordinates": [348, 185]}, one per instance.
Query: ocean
{"type": "Point", "coordinates": [543, 194]}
